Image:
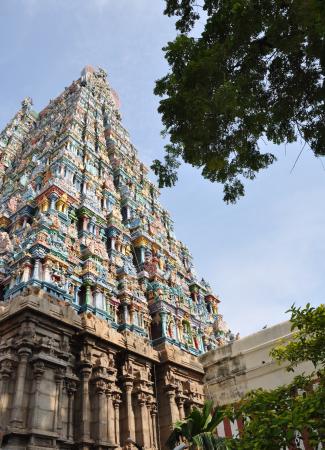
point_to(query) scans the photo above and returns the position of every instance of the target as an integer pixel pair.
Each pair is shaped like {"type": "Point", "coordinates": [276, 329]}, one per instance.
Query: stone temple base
{"type": "Point", "coordinates": [69, 381]}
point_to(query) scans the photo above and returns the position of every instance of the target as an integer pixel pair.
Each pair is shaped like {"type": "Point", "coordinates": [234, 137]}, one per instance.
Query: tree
{"type": "Point", "coordinates": [272, 419]}
{"type": "Point", "coordinates": [256, 71]}
{"type": "Point", "coordinates": [281, 417]}
{"type": "Point", "coordinates": [198, 429]}
{"type": "Point", "coordinates": [308, 325]}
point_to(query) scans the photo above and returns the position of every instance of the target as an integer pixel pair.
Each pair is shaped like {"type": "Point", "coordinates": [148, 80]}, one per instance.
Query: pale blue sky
{"type": "Point", "coordinates": [260, 255]}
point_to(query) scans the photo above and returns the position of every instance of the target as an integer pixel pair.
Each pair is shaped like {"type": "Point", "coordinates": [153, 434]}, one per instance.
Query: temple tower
{"type": "Point", "coordinates": [101, 315]}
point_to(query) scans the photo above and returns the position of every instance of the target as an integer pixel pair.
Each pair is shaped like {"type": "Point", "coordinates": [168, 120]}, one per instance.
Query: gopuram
{"type": "Point", "coordinates": [102, 318]}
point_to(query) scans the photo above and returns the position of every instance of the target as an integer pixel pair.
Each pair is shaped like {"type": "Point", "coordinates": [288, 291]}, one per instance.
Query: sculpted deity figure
{"type": "Point", "coordinates": [27, 104]}
{"type": "Point", "coordinates": [170, 328]}
{"type": "Point", "coordinates": [116, 212]}
{"type": "Point", "coordinates": [108, 184]}
{"type": "Point", "coordinates": [13, 204]}
{"type": "Point", "coordinates": [102, 361]}
{"type": "Point", "coordinates": [101, 73]}
{"type": "Point", "coordinates": [42, 238]}
{"type": "Point", "coordinates": [128, 368]}
{"type": "Point", "coordinates": [72, 230]}
{"type": "Point", "coordinates": [111, 362]}
{"type": "Point", "coordinates": [221, 325]}
{"type": "Point", "coordinates": [5, 243]}
{"type": "Point", "coordinates": [169, 378]}
{"type": "Point", "coordinates": [56, 223]}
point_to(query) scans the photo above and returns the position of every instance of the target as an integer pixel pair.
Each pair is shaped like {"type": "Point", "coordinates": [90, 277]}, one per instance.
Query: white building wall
{"type": "Point", "coordinates": [238, 367]}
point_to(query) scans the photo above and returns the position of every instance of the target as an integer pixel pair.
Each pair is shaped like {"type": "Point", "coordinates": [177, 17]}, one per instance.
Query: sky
{"type": "Point", "coordinates": [262, 254]}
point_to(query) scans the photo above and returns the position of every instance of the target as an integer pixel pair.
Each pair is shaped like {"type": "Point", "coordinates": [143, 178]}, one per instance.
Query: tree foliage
{"type": "Point", "coordinates": [256, 71]}
{"type": "Point", "coordinates": [279, 418]}
{"type": "Point", "coordinates": [272, 419]}
{"type": "Point", "coordinates": [308, 325]}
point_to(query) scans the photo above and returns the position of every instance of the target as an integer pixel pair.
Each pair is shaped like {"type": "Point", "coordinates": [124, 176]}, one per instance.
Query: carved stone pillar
{"type": "Point", "coordinates": [102, 423]}
{"type": "Point", "coordinates": [89, 297]}
{"type": "Point", "coordinates": [6, 372]}
{"type": "Point", "coordinates": [128, 385]}
{"type": "Point", "coordinates": [142, 400]}
{"type": "Point", "coordinates": [46, 271]}
{"type": "Point", "coordinates": [142, 255]}
{"type": "Point", "coordinates": [85, 221]}
{"type": "Point", "coordinates": [53, 199]}
{"type": "Point", "coordinates": [26, 272]}
{"type": "Point", "coordinates": [174, 413]}
{"type": "Point", "coordinates": [163, 317]}
{"type": "Point", "coordinates": [17, 411]}
{"type": "Point", "coordinates": [76, 295]}
{"type": "Point", "coordinates": [125, 313]}
{"type": "Point", "coordinates": [38, 372]}
{"type": "Point", "coordinates": [57, 418]}
{"type": "Point", "coordinates": [111, 437]}
{"type": "Point", "coordinates": [189, 405]}
{"type": "Point", "coordinates": [36, 271]}
{"type": "Point", "coordinates": [84, 420]}
{"type": "Point", "coordinates": [71, 388]}
{"type": "Point", "coordinates": [180, 404]}
{"type": "Point", "coordinates": [154, 426]}
{"type": "Point", "coordinates": [149, 423]}
{"type": "Point", "coordinates": [117, 402]}
{"type": "Point", "coordinates": [98, 299]}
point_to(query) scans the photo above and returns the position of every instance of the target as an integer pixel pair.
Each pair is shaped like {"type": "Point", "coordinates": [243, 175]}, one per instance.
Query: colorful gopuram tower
{"type": "Point", "coordinates": [101, 315]}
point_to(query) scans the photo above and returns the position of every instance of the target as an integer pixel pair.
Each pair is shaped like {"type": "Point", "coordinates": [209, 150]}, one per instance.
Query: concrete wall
{"type": "Point", "coordinates": [236, 368]}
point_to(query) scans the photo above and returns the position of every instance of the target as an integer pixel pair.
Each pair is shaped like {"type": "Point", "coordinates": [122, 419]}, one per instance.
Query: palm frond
{"type": "Point", "coordinates": [206, 412]}
{"type": "Point", "coordinates": [215, 420]}
{"type": "Point", "coordinates": [208, 441]}
{"type": "Point", "coordinates": [198, 429]}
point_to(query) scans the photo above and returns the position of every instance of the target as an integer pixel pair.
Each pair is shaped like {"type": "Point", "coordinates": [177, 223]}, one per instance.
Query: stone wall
{"type": "Point", "coordinates": [71, 381]}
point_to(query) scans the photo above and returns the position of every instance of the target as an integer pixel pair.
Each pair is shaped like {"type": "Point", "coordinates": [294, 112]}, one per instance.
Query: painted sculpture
{"type": "Point", "coordinates": [80, 219]}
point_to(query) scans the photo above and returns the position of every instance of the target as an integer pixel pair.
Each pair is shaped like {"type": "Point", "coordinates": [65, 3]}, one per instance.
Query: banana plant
{"type": "Point", "coordinates": [198, 430]}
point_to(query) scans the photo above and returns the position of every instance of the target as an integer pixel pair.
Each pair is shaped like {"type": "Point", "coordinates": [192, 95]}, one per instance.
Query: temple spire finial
{"type": "Point", "coordinates": [27, 104]}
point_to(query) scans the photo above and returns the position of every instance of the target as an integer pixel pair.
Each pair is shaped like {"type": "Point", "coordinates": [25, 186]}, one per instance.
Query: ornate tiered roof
{"type": "Point", "coordinates": [80, 219]}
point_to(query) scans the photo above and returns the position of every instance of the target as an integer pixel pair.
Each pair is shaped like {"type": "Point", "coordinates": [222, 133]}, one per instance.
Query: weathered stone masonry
{"type": "Point", "coordinates": [69, 381]}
